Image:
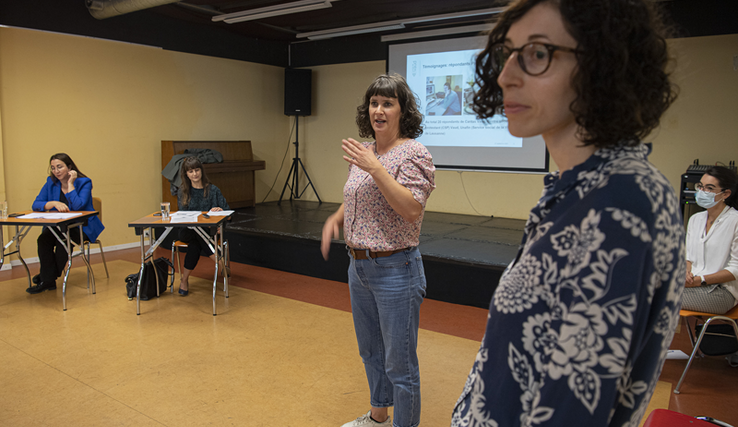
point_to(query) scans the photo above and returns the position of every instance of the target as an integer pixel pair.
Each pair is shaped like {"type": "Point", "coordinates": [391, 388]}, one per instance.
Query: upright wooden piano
{"type": "Point", "coordinates": [234, 177]}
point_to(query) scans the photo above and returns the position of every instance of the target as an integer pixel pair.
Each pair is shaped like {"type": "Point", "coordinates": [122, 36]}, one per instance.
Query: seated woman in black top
{"type": "Point", "coordinates": [196, 194]}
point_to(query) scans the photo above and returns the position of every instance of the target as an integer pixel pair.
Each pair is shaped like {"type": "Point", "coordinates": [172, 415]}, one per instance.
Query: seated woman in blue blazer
{"type": "Point", "coordinates": [66, 189]}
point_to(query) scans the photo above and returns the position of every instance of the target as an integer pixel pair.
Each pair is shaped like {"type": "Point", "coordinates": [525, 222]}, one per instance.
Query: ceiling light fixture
{"type": "Point", "coordinates": [357, 29]}
{"type": "Point", "coordinates": [386, 25]}
{"type": "Point", "coordinates": [439, 32]}
{"type": "Point", "coordinates": [270, 11]}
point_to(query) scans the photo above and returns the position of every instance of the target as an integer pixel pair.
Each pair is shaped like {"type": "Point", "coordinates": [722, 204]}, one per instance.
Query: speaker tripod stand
{"type": "Point", "coordinates": [294, 169]}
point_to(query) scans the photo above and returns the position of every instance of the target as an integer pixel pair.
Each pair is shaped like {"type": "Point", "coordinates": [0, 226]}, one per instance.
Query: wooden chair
{"type": "Point", "coordinates": [97, 205]}
{"type": "Point", "coordinates": [729, 317]}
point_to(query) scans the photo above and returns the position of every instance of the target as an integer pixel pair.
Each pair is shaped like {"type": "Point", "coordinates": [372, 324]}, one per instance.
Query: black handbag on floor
{"type": "Point", "coordinates": [718, 340]}
{"type": "Point", "coordinates": [148, 284]}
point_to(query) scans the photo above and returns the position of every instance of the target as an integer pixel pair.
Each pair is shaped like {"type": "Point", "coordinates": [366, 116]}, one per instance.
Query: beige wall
{"type": "Point", "coordinates": [109, 104]}
{"type": "Point", "coordinates": [703, 123]}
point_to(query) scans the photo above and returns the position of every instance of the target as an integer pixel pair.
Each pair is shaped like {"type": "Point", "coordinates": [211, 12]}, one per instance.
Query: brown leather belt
{"type": "Point", "coordinates": [361, 253]}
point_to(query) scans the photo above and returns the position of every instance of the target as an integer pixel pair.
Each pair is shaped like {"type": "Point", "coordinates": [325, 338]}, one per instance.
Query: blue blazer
{"type": "Point", "coordinates": [79, 200]}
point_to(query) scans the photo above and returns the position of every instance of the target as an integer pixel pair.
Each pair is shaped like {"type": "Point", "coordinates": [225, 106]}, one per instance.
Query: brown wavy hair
{"type": "Point", "coordinates": [391, 86]}
{"type": "Point", "coordinates": [64, 157]}
{"type": "Point", "coordinates": [622, 77]}
{"type": "Point", "coordinates": [189, 164]}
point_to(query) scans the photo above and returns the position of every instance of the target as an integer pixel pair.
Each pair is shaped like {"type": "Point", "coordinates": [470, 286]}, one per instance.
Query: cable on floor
{"type": "Point", "coordinates": [461, 176]}
{"type": "Point", "coordinates": [282, 164]}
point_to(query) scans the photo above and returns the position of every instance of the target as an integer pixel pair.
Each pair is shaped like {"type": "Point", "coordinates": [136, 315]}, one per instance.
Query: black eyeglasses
{"type": "Point", "coordinates": [534, 58]}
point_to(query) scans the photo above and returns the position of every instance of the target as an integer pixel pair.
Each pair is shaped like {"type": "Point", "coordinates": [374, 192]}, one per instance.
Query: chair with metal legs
{"type": "Point", "coordinates": [67, 267]}
{"type": "Point", "coordinates": [85, 246]}
{"type": "Point", "coordinates": [97, 205]}
{"type": "Point", "coordinates": [729, 317]}
{"type": "Point", "coordinates": [178, 244]}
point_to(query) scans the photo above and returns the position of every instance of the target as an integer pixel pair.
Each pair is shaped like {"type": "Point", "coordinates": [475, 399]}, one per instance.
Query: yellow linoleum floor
{"type": "Point", "coordinates": [263, 361]}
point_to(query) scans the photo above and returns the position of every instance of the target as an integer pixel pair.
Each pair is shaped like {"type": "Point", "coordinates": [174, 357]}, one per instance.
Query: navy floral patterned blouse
{"type": "Point", "coordinates": [580, 323]}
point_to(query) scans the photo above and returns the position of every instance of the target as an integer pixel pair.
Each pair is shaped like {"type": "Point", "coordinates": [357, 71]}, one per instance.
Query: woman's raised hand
{"type": "Point", "coordinates": [359, 155]}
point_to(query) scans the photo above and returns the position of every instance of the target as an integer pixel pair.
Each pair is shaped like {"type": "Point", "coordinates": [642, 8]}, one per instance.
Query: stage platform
{"type": "Point", "coordinates": [463, 255]}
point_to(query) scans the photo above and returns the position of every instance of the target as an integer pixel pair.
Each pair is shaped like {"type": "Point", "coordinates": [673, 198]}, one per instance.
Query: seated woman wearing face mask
{"type": "Point", "coordinates": [712, 245]}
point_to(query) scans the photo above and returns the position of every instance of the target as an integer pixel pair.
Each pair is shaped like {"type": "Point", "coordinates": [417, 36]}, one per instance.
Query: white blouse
{"type": "Point", "coordinates": [718, 250]}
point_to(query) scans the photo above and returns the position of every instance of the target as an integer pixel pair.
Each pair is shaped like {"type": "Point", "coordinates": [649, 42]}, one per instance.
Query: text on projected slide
{"type": "Point", "coordinates": [444, 83]}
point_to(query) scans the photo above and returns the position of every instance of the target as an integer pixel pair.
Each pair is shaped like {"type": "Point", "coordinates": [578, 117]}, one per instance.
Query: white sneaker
{"type": "Point", "coordinates": [367, 421]}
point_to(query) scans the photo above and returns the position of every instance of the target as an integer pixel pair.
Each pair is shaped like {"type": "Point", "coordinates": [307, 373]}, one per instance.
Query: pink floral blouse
{"type": "Point", "coordinates": [369, 220]}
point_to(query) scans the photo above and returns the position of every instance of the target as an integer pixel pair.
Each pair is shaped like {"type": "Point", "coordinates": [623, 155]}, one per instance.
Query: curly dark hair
{"type": "Point", "coordinates": [64, 158]}
{"type": "Point", "coordinates": [391, 86]}
{"type": "Point", "coordinates": [728, 180]}
{"type": "Point", "coordinates": [621, 80]}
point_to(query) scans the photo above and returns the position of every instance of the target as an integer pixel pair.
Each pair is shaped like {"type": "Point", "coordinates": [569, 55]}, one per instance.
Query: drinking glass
{"type": "Point", "coordinates": [165, 210]}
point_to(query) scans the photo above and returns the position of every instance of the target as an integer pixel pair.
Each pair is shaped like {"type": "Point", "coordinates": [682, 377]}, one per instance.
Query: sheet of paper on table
{"type": "Point", "coordinates": [185, 213]}
{"type": "Point", "coordinates": [50, 215]}
{"type": "Point", "coordinates": [184, 216]}
{"type": "Point", "coordinates": [221, 213]}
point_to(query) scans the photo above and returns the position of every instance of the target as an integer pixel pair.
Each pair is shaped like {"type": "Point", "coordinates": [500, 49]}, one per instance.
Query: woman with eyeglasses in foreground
{"type": "Point", "coordinates": [581, 320]}
{"type": "Point", "coordinates": [712, 245]}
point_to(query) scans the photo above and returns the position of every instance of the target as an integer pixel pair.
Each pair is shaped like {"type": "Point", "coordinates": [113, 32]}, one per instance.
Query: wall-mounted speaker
{"type": "Point", "coordinates": [297, 92]}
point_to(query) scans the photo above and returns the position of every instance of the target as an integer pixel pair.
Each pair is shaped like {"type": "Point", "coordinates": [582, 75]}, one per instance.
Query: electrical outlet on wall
{"type": "Point", "coordinates": [735, 62]}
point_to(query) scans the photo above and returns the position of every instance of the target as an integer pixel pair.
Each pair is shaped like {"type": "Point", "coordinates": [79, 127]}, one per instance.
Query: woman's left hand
{"type": "Point", "coordinates": [216, 209]}
{"type": "Point", "coordinates": [695, 282]}
{"type": "Point", "coordinates": [360, 156]}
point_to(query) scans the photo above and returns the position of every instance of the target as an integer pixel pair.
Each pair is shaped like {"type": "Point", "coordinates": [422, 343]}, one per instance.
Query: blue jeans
{"type": "Point", "coordinates": [386, 294]}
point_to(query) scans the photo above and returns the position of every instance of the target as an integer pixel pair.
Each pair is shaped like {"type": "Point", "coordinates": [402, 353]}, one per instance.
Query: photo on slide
{"type": "Point", "coordinates": [443, 95]}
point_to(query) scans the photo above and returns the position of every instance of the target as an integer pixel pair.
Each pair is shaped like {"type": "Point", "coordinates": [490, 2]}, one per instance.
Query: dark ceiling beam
{"type": "Point", "coordinates": [145, 27]}
{"type": "Point", "coordinates": [187, 27]}
{"type": "Point", "coordinates": [103, 9]}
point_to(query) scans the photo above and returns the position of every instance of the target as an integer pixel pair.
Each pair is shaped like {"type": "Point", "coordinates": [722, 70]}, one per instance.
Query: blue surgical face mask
{"type": "Point", "coordinates": [705, 199]}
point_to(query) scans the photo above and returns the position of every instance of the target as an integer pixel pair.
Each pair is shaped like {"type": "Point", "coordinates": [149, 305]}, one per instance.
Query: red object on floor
{"type": "Point", "coordinates": [666, 418]}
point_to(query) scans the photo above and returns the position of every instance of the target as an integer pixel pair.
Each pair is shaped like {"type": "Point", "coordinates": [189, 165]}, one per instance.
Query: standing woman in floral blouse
{"type": "Point", "coordinates": [581, 321]}
{"type": "Point", "coordinates": [389, 182]}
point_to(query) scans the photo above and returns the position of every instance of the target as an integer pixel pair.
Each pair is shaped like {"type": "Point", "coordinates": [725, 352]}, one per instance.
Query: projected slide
{"type": "Point", "coordinates": [446, 79]}
{"type": "Point", "coordinates": [441, 73]}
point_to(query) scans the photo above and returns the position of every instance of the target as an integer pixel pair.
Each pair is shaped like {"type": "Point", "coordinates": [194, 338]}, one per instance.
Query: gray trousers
{"type": "Point", "coordinates": [713, 299]}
